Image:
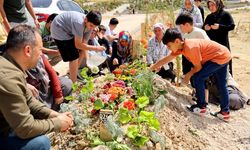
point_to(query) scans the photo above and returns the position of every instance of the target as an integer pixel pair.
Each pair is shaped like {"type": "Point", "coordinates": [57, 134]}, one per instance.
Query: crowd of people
{"type": "Point", "coordinates": [31, 90]}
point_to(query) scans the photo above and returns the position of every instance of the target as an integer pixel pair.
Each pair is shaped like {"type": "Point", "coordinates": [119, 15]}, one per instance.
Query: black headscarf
{"type": "Point", "coordinates": [219, 5]}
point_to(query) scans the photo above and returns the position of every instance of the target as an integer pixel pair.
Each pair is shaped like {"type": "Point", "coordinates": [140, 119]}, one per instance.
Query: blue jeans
{"type": "Point", "coordinates": [220, 73]}
{"type": "Point", "coordinates": [12, 142]}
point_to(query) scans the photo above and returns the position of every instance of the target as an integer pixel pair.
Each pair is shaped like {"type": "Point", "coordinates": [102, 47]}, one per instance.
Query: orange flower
{"type": "Point", "coordinates": [132, 72]}
{"type": "Point", "coordinates": [117, 72]}
{"type": "Point", "coordinates": [123, 66]}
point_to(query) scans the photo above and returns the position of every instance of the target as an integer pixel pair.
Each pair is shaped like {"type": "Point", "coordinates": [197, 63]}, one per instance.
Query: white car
{"type": "Point", "coordinates": [43, 8]}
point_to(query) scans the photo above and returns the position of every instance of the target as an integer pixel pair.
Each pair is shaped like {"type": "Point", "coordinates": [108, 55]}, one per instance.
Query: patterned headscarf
{"type": "Point", "coordinates": [124, 51]}
{"type": "Point", "coordinates": [184, 7]}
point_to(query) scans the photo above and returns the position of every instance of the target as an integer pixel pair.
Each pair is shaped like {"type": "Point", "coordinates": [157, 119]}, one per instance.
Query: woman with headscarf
{"type": "Point", "coordinates": [121, 50]}
{"type": "Point", "coordinates": [188, 6]}
{"type": "Point", "coordinates": [218, 24]}
{"type": "Point", "coordinates": [157, 50]}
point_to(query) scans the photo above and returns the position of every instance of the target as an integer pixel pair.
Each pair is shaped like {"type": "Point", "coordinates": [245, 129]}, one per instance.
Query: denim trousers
{"type": "Point", "coordinates": [12, 142]}
{"type": "Point", "coordinates": [220, 73]}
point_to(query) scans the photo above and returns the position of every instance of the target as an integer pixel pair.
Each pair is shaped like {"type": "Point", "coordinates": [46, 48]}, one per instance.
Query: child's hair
{"type": "Point", "coordinates": [171, 35]}
{"type": "Point", "coordinates": [94, 17]}
{"type": "Point", "coordinates": [184, 18]}
{"type": "Point", "coordinates": [102, 27]}
{"type": "Point", "coordinates": [51, 17]}
{"type": "Point", "coordinates": [113, 21]}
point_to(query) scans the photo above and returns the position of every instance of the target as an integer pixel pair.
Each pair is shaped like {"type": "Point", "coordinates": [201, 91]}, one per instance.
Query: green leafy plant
{"type": "Point", "coordinates": [98, 104]}
{"type": "Point", "coordinates": [132, 132]}
{"type": "Point", "coordinates": [142, 101]}
{"type": "Point", "coordinates": [137, 138]}
{"type": "Point", "coordinates": [123, 115]}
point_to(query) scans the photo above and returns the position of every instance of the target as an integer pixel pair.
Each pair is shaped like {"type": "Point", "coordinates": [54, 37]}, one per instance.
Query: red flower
{"type": "Point", "coordinates": [130, 105]}
{"type": "Point", "coordinates": [113, 97]}
{"type": "Point", "coordinates": [92, 99]}
{"type": "Point", "coordinates": [94, 112]}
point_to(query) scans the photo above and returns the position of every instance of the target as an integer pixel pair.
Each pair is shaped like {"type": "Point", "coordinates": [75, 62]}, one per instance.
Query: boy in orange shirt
{"type": "Point", "coordinates": [208, 57]}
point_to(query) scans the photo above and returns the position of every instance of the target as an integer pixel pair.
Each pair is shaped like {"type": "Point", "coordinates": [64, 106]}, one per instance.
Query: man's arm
{"type": "Point", "coordinates": [29, 7]}
{"type": "Point", "coordinates": [5, 20]}
{"type": "Point", "coordinates": [17, 111]}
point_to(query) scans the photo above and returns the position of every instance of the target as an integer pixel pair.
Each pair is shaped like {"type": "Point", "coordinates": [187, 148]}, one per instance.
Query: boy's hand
{"type": "Point", "coordinates": [155, 68]}
{"type": "Point", "coordinates": [187, 78]}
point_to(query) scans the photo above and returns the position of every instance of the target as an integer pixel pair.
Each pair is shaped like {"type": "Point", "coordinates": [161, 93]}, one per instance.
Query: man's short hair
{"type": "Point", "coordinates": [184, 18]}
{"type": "Point", "coordinates": [94, 17]}
{"type": "Point", "coordinates": [113, 21]}
{"type": "Point", "coordinates": [20, 36]}
{"type": "Point", "coordinates": [102, 28]}
{"type": "Point", "coordinates": [171, 35]}
{"type": "Point", "coordinates": [51, 17]}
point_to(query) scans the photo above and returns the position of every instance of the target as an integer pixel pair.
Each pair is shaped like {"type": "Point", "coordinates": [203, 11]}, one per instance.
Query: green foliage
{"type": "Point", "coordinates": [75, 86]}
{"type": "Point", "coordinates": [113, 128]}
{"type": "Point", "coordinates": [102, 6]}
{"type": "Point", "coordinates": [69, 98]}
{"type": "Point", "coordinates": [81, 121]}
{"type": "Point", "coordinates": [154, 5]}
{"type": "Point", "coordinates": [114, 145]}
{"type": "Point", "coordinates": [94, 139]}
{"type": "Point", "coordinates": [123, 115]}
{"type": "Point", "coordinates": [132, 132]}
{"type": "Point", "coordinates": [140, 140]}
{"type": "Point", "coordinates": [160, 104]}
{"type": "Point", "coordinates": [83, 73]}
{"type": "Point", "coordinates": [98, 104]}
{"type": "Point", "coordinates": [142, 101]}
{"type": "Point", "coordinates": [137, 138]}
{"type": "Point", "coordinates": [149, 118]}
{"type": "Point", "coordinates": [142, 84]}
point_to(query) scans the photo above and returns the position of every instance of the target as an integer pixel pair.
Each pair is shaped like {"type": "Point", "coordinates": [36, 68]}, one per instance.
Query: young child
{"type": "Point", "coordinates": [110, 29]}
{"type": "Point", "coordinates": [208, 57]}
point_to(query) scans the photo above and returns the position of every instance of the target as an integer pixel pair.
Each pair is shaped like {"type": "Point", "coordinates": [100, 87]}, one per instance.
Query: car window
{"type": "Point", "coordinates": [65, 5]}
{"type": "Point", "coordinates": [41, 3]}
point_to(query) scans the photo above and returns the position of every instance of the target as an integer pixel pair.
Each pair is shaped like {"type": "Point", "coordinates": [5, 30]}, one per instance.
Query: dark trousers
{"type": "Point", "coordinates": [186, 65]}
{"type": "Point", "coordinates": [220, 73]}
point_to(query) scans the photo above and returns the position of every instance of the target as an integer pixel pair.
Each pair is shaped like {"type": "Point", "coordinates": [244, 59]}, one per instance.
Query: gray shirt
{"type": "Point", "coordinates": [68, 25]}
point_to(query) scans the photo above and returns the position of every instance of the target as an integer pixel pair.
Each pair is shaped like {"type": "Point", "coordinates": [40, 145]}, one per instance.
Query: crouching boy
{"type": "Point", "coordinates": [208, 57]}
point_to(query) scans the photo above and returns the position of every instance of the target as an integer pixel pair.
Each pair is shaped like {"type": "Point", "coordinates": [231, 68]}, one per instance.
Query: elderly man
{"type": "Point", "coordinates": [24, 119]}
